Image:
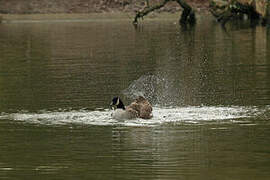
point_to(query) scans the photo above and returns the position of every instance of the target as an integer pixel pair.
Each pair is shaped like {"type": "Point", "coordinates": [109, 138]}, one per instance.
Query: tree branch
{"type": "Point", "coordinates": [188, 14]}
{"type": "Point", "coordinates": [147, 10]}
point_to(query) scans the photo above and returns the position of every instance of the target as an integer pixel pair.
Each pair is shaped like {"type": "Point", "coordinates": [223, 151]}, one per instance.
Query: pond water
{"type": "Point", "coordinates": [210, 90]}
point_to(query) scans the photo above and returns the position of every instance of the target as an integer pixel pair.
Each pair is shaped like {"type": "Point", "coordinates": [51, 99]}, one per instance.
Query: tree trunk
{"type": "Point", "coordinates": [188, 14]}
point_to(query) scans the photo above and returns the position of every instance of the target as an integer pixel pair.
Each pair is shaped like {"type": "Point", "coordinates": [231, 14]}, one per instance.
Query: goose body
{"type": "Point", "coordinates": [140, 108]}
{"type": "Point", "coordinates": [123, 114]}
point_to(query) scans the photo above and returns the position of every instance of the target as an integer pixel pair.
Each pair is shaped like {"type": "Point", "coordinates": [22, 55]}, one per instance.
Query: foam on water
{"type": "Point", "coordinates": [161, 115]}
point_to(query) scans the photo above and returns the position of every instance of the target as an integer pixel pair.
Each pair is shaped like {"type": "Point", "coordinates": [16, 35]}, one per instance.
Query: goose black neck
{"type": "Point", "coordinates": [121, 105]}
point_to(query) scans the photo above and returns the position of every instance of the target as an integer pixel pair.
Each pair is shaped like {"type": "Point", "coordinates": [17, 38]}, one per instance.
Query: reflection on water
{"type": "Point", "coordinates": [209, 87]}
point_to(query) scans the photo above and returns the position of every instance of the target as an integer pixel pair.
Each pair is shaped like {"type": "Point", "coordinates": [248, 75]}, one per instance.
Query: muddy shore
{"type": "Point", "coordinates": [88, 6]}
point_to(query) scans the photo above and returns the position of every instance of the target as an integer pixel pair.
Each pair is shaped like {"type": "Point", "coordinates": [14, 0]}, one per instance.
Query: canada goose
{"type": "Point", "coordinates": [140, 108]}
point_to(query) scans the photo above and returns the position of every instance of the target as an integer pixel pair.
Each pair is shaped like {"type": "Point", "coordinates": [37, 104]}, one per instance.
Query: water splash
{"type": "Point", "coordinates": [194, 115]}
{"type": "Point", "coordinates": [153, 87]}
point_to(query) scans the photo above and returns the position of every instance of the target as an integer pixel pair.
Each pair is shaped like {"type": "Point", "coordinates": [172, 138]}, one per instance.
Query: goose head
{"type": "Point", "coordinates": [117, 102]}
